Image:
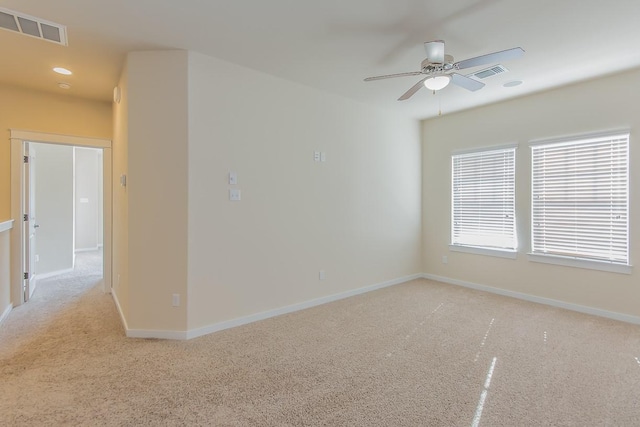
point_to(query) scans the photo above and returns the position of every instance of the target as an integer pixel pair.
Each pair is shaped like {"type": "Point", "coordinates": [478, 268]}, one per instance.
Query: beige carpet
{"type": "Point", "coordinates": [418, 354]}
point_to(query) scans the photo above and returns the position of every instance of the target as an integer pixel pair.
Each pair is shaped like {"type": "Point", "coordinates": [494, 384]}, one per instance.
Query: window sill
{"type": "Point", "coordinates": [581, 263]}
{"type": "Point", "coordinates": [500, 253]}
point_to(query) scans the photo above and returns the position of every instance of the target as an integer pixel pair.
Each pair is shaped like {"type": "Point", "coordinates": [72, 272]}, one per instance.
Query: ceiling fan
{"type": "Point", "coordinates": [440, 69]}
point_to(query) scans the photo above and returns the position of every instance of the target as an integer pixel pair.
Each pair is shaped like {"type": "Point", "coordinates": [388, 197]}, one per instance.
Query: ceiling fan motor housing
{"type": "Point", "coordinates": [429, 67]}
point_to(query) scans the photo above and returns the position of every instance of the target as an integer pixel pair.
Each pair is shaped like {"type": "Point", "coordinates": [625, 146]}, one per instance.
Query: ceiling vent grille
{"type": "Point", "coordinates": [34, 27]}
{"type": "Point", "coordinates": [488, 72]}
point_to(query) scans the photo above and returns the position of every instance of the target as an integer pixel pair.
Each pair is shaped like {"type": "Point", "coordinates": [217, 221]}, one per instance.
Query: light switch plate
{"type": "Point", "coordinates": [234, 195]}
{"type": "Point", "coordinates": [233, 178]}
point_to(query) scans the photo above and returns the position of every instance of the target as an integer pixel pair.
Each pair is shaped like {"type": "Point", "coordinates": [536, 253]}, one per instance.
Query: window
{"type": "Point", "coordinates": [483, 199]}
{"type": "Point", "coordinates": [580, 198]}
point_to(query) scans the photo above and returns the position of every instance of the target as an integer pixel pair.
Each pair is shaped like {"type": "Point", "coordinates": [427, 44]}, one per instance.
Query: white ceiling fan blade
{"type": "Point", "coordinates": [389, 76]}
{"type": "Point", "coordinates": [435, 51]}
{"type": "Point", "coordinates": [490, 58]}
{"type": "Point", "coordinates": [466, 82]}
{"type": "Point", "coordinates": [416, 87]}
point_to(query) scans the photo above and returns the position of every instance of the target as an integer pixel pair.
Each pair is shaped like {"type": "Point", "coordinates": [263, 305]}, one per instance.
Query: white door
{"type": "Point", "coordinates": [30, 224]}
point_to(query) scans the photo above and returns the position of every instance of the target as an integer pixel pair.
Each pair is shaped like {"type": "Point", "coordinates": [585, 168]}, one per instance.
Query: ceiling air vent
{"type": "Point", "coordinates": [488, 72]}
{"type": "Point", "coordinates": [34, 27]}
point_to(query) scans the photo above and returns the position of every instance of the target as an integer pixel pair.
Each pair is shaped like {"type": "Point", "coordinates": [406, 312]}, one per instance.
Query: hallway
{"type": "Point", "coordinates": [58, 299]}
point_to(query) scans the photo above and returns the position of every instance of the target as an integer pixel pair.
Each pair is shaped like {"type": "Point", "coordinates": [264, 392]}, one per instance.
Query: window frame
{"type": "Point", "coordinates": [497, 251]}
{"type": "Point", "coordinates": [576, 260]}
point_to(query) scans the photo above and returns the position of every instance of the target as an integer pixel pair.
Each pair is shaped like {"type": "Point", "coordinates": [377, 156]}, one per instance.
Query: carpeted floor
{"type": "Point", "coordinates": [417, 354]}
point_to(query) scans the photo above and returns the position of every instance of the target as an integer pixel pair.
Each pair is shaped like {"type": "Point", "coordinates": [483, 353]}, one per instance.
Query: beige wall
{"type": "Point", "coordinates": [157, 194]}
{"type": "Point", "coordinates": [43, 112]}
{"type": "Point", "coordinates": [5, 273]}
{"type": "Point", "coordinates": [598, 105]}
{"type": "Point", "coordinates": [120, 203]}
{"type": "Point", "coordinates": [355, 216]}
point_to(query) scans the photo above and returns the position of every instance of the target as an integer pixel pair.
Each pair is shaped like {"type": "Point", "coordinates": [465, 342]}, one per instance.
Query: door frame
{"type": "Point", "coordinates": [18, 137]}
{"type": "Point", "coordinates": [29, 168]}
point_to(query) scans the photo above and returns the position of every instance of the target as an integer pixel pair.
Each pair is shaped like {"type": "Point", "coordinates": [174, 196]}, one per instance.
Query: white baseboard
{"type": "Point", "coordinates": [157, 334]}
{"type": "Point", "coordinates": [141, 333]}
{"type": "Point", "coordinates": [95, 248]}
{"type": "Point", "coordinates": [540, 300]}
{"type": "Point", "coordinates": [194, 333]}
{"type": "Point", "coordinates": [6, 312]}
{"type": "Point", "coordinates": [53, 274]}
{"type": "Point", "coordinates": [119, 308]}
{"type": "Point", "coordinates": [205, 330]}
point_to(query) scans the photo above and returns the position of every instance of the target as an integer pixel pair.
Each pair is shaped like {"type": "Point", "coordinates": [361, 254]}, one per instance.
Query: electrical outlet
{"type": "Point", "coordinates": [176, 300]}
{"type": "Point", "coordinates": [322, 275]}
{"type": "Point", "coordinates": [445, 259]}
{"type": "Point", "coordinates": [234, 195]}
{"type": "Point", "coordinates": [37, 258]}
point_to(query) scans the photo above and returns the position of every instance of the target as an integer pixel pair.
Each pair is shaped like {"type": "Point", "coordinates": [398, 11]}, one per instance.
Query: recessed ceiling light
{"type": "Point", "coordinates": [61, 70]}
{"type": "Point", "coordinates": [63, 85]}
{"type": "Point", "coordinates": [513, 83]}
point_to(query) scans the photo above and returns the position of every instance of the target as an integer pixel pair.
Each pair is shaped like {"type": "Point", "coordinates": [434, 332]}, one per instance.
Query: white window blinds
{"type": "Point", "coordinates": [580, 198]}
{"type": "Point", "coordinates": [483, 199]}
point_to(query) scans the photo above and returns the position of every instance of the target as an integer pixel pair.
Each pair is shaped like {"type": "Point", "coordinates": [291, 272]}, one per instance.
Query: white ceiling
{"type": "Point", "coordinates": [333, 44]}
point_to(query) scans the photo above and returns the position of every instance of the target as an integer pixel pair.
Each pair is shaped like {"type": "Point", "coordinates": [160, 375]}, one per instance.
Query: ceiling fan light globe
{"type": "Point", "coordinates": [437, 82]}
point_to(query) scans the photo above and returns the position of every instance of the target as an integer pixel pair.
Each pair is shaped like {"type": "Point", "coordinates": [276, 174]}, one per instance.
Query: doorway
{"type": "Point", "coordinates": [76, 207]}
{"type": "Point", "coordinates": [63, 210]}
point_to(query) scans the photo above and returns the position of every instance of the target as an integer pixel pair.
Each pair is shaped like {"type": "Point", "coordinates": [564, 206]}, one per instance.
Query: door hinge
{"type": "Point", "coordinates": [25, 217]}
{"type": "Point", "coordinates": [26, 159]}
{"type": "Point", "coordinates": [26, 276]}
